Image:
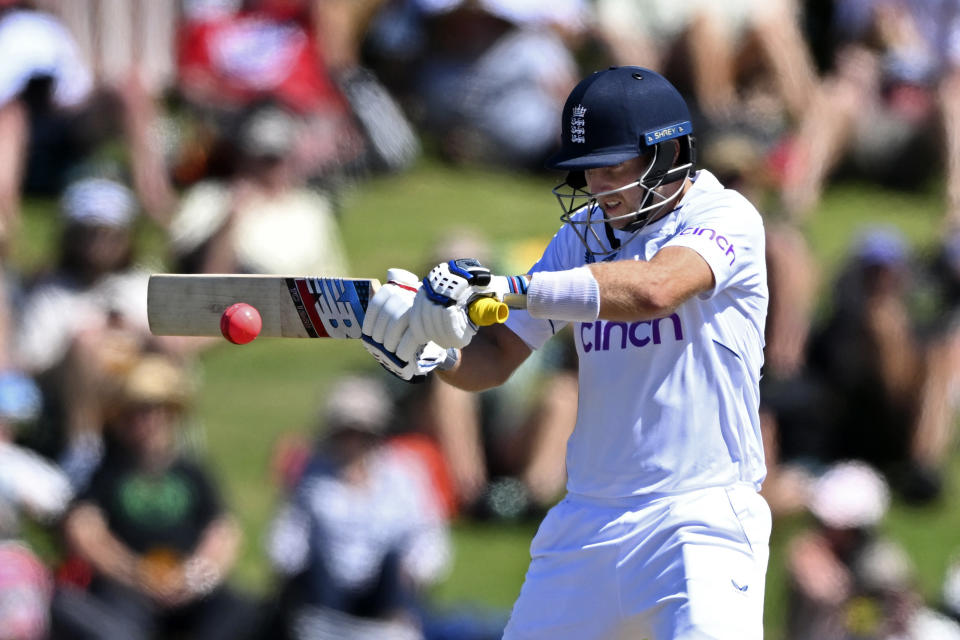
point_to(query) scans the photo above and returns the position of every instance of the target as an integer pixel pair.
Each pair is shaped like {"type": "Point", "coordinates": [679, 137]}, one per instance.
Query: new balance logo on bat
{"type": "Point", "coordinates": [605, 335]}
{"type": "Point", "coordinates": [330, 307]}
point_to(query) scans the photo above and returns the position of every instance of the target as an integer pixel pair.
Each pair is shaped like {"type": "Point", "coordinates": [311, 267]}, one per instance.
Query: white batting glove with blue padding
{"type": "Point", "coordinates": [439, 312]}
{"type": "Point", "coordinates": [386, 332]}
{"type": "Point", "coordinates": [419, 367]}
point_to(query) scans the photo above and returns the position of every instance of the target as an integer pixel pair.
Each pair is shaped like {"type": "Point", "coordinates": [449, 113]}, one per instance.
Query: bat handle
{"type": "Point", "coordinates": [484, 312]}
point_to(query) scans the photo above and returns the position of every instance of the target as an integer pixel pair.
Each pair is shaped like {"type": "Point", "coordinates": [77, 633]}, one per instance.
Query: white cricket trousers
{"type": "Point", "coordinates": [682, 567]}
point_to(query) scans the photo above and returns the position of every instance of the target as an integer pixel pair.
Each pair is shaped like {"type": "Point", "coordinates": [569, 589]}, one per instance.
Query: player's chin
{"type": "Point", "coordinates": [619, 222]}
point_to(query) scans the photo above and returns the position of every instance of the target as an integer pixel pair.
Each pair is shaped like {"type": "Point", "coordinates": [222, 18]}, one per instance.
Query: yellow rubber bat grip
{"type": "Point", "coordinates": [484, 312]}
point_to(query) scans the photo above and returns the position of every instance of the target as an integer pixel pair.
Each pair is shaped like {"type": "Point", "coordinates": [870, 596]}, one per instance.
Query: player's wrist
{"type": "Point", "coordinates": [572, 295]}
{"type": "Point", "coordinates": [450, 360]}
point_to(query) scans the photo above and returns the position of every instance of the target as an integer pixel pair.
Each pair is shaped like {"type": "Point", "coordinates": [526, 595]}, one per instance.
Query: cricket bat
{"type": "Point", "coordinates": [290, 306]}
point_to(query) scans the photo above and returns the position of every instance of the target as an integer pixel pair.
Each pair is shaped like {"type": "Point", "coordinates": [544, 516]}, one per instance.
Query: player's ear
{"type": "Point", "coordinates": [675, 147]}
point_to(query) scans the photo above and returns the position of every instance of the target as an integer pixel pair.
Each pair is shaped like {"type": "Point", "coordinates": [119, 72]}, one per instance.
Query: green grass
{"type": "Point", "coordinates": [254, 393]}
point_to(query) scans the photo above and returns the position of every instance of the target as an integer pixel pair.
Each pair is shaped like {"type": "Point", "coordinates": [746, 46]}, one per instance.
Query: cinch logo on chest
{"type": "Point", "coordinates": [721, 241]}
{"type": "Point", "coordinates": [597, 336]}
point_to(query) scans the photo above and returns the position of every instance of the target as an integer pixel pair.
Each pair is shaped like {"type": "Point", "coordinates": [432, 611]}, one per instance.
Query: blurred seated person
{"type": "Point", "coordinates": [303, 56]}
{"type": "Point", "coordinates": [31, 486]}
{"type": "Point", "coordinates": [361, 535]}
{"type": "Point", "coordinates": [937, 310]}
{"type": "Point", "coordinates": [84, 322]}
{"type": "Point", "coordinates": [503, 451]}
{"type": "Point", "coordinates": [888, 108]}
{"type": "Point", "coordinates": [487, 79]}
{"type": "Point", "coordinates": [726, 47]}
{"type": "Point", "coordinates": [845, 580]}
{"type": "Point", "coordinates": [43, 87]}
{"type": "Point", "coordinates": [152, 526]}
{"type": "Point", "coordinates": [885, 401]}
{"type": "Point", "coordinates": [263, 219]}
{"type": "Point", "coordinates": [55, 115]}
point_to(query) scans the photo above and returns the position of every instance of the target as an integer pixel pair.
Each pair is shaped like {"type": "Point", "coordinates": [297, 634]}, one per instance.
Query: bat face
{"type": "Point", "coordinates": [291, 306]}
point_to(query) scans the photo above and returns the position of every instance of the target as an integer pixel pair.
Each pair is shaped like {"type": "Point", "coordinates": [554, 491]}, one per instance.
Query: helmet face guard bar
{"type": "Point", "coordinates": [574, 197]}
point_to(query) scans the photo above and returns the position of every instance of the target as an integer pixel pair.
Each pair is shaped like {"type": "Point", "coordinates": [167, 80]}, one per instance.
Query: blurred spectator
{"type": "Point", "coordinates": [791, 403]}
{"type": "Point", "coordinates": [894, 72]}
{"type": "Point", "coordinates": [486, 79]}
{"type": "Point", "coordinates": [129, 45]}
{"type": "Point", "coordinates": [264, 219]}
{"type": "Point", "coordinates": [57, 114]}
{"type": "Point", "coordinates": [44, 86]}
{"type": "Point", "coordinates": [504, 449]}
{"type": "Point", "coordinates": [723, 42]}
{"type": "Point", "coordinates": [84, 323]}
{"type": "Point", "coordinates": [846, 581]}
{"type": "Point", "coordinates": [30, 485]}
{"type": "Point", "coordinates": [362, 535]}
{"type": "Point", "coordinates": [878, 381]}
{"type": "Point", "coordinates": [875, 367]}
{"type": "Point", "coordinates": [302, 56]}
{"type": "Point", "coordinates": [152, 527]}
{"type": "Point", "coordinates": [119, 38]}
{"type": "Point", "coordinates": [936, 308]}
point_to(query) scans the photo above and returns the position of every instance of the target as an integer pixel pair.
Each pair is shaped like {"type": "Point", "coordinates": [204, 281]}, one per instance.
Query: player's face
{"type": "Point", "coordinates": [605, 179]}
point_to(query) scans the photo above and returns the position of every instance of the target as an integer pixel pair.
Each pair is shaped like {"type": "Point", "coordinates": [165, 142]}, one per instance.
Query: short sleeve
{"type": "Point", "coordinates": [730, 238]}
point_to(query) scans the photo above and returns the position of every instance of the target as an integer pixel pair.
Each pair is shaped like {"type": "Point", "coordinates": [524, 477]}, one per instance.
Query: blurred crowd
{"type": "Point", "coordinates": [233, 128]}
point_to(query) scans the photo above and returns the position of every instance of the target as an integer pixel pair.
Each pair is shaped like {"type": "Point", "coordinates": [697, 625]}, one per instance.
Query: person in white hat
{"type": "Point", "coordinates": [86, 321]}
{"type": "Point", "coordinates": [847, 580]}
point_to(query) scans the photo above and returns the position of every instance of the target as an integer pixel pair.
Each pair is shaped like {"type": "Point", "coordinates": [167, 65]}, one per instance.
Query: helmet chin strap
{"type": "Point", "coordinates": [611, 237]}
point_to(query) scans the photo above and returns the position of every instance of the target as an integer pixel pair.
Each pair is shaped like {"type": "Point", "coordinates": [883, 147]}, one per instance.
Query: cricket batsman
{"type": "Point", "coordinates": [662, 533]}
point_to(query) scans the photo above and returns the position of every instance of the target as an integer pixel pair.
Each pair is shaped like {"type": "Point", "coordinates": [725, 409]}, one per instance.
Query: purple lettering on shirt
{"type": "Point", "coordinates": [623, 334]}
{"type": "Point", "coordinates": [636, 340]}
{"type": "Point", "coordinates": [637, 334]}
{"type": "Point", "coordinates": [725, 245]}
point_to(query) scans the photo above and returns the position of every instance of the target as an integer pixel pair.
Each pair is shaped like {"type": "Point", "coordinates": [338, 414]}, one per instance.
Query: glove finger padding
{"type": "Point", "coordinates": [449, 326]}
{"type": "Point", "coordinates": [393, 320]}
{"type": "Point", "coordinates": [386, 334]}
{"type": "Point", "coordinates": [424, 360]}
{"type": "Point", "coordinates": [407, 346]}
{"type": "Point", "coordinates": [389, 306]}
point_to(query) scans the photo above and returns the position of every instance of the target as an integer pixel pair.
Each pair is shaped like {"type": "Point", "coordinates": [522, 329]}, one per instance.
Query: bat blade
{"type": "Point", "coordinates": [291, 306]}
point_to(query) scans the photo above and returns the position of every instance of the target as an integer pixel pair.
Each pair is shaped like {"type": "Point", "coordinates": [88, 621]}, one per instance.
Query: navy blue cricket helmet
{"type": "Point", "coordinates": [613, 116]}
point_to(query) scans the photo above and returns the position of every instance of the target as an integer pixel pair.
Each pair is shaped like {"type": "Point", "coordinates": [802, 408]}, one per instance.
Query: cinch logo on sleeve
{"type": "Point", "coordinates": [599, 335]}
{"type": "Point", "coordinates": [725, 245]}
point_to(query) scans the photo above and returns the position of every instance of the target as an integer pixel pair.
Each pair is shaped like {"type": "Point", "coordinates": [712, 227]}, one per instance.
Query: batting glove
{"type": "Point", "coordinates": [386, 335]}
{"type": "Point", "coordinates": [439, 312]}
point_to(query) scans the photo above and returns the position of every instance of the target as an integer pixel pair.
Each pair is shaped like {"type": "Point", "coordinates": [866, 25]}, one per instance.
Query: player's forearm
{"type": "Point", "coordinates": [632, 290]}
{"type": "Point", "coordinates": [489, 360]}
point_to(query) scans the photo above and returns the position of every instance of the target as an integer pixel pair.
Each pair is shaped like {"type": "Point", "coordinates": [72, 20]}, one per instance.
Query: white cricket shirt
{"type": "Point", "coordinates": [671, 405]}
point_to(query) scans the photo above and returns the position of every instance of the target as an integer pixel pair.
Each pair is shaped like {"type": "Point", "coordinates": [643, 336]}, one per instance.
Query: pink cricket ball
{"type": "Point", "coordinates": [240, 323]}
